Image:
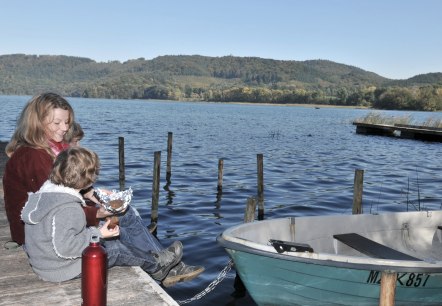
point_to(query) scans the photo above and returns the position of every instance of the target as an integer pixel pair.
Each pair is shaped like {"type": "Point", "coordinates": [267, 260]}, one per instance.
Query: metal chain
{"type": "Point", "coordinates": [211, 286]}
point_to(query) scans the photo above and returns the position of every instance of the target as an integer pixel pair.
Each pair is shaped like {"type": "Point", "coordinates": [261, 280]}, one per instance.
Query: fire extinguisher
{"type": "Point", "coordinates": [94, 274]}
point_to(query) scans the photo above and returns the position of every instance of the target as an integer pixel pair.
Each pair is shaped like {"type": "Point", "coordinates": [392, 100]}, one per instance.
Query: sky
{"type": "Point", "coordinates": [396, 39]}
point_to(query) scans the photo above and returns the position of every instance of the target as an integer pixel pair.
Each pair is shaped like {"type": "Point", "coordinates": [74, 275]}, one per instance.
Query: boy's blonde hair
{"type": "Point", "coordinates": [31, 130]}
{"type": "Point", "coordinates": [76, 167]}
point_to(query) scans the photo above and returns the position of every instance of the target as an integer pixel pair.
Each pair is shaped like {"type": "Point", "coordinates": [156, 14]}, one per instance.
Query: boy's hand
{"type": "Point", "coordinates": [107, 232]}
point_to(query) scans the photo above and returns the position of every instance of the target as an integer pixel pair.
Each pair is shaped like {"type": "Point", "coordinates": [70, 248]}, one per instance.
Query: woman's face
{"type": "Point", "coordinates": [57, 124]}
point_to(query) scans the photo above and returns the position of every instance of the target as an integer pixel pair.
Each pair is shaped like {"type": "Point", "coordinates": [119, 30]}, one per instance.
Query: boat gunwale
{"type": "Point", "coordinates": [229, 241]}
{"type": "Point", "coordinates": [376, 265]}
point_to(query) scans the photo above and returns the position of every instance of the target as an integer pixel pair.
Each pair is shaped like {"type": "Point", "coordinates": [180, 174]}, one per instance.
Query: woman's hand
{"type": "Point", "coordinates": [90, 195]}
{"type": "Point", "coordinates": [107, 232]}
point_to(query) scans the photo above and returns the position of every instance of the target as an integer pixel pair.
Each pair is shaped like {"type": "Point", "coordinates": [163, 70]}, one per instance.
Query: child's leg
{"type": "Point", "coordinates": [157, 264]}
{"type": "Point", "coordinates": [120, 255]}
{"type": "Point", "coordinates": [134, 234]}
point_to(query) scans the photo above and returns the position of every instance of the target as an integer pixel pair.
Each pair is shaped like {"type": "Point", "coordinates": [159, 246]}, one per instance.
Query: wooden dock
{"type": "Point", "coordinates": [400, 130]}
{"type": "Point", "coordinates": [19, 285]}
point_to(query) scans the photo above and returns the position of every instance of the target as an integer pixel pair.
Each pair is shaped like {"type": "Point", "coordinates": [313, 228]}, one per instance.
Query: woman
{"type": "Point", "coordinates": [37, 140]}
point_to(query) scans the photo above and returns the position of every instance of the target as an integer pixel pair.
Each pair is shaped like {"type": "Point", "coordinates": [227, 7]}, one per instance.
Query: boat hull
{"type": "Point", "coordinates": [299, 283]}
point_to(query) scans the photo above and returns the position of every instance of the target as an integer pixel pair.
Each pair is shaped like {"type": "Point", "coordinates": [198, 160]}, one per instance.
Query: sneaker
{"type": "Point", "coordinates": [152, 227]}
{"type": "Point", "coordinates": [167, 259]}
{"type": "Point", "coordinates": [181, 273]}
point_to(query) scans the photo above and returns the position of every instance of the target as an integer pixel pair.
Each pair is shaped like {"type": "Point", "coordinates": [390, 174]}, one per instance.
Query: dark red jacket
{"type": "Point", "coordinates": [26, 171]}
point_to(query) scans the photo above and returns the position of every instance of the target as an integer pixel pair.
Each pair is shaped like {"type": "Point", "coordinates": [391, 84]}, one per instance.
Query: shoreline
{"type": "Point", "coordinates": [220, 102]}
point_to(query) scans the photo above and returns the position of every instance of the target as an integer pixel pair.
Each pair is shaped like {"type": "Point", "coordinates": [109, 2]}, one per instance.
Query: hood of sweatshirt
{"type": "Point", "coordinates": [48, 198]}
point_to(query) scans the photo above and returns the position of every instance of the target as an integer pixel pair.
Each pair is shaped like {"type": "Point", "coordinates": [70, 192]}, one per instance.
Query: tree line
{"type": "Point", "coordinates": [218, 79]}
{"type": "Point", "coordinates": [426, 98]}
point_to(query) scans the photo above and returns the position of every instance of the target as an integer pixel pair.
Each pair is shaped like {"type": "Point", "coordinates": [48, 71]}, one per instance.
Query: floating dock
{"type": "Point", "coordinates": [400, 130]}
{"type": "Point", "coordinates": [19, 285]}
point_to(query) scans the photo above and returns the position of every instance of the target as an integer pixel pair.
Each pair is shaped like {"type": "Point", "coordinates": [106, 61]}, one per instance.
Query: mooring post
{"type": "Point", "coordinates": [155, 187]}
{"type": "Point", "coordinates": [122, 177]}
{"type": "Point", "coordinates": [169, 156]}
{"type": "Point", "coordinates": [357, 191]}
{"type": "Point", "coordinates": [260, 165]}
{"type": "Point", "coordinates": [220, 174]}
{"type": "Point", "coordinates": [388, 287]}
{"type": "Point", "coordinates": [249, 216]}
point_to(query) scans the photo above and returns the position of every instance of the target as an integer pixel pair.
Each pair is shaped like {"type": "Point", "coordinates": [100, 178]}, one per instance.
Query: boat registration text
{"type": "Point", "coordinates": [403, 279]}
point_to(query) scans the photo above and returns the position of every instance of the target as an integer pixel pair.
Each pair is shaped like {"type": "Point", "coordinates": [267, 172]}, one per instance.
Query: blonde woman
{"type": "Point", "coordinates": [37, 139]}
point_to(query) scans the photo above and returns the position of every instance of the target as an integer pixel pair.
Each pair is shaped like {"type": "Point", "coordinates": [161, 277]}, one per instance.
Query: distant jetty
{"type": "Point", "coordinates": [376, 123]}
{"type": "Point", "coordinates": [400, 130]}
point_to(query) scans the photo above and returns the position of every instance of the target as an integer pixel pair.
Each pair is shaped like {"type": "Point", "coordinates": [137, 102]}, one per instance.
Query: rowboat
{"type": "Point", "coordinates": [339, 259]}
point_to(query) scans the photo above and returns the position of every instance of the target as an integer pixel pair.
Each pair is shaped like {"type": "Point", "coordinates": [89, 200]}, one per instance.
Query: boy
{"type": "Point", "coordinates": [55, 225]}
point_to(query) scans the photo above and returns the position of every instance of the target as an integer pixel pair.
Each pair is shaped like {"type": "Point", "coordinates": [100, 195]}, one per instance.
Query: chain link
{"type": "Point", "coordinates": [211, 286]}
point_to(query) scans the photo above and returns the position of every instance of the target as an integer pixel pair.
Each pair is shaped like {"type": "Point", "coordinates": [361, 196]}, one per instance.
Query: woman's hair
{"type": "Point", "coordinates": [31, 125]}
{"type": "Point", "coordinates": [75, 131]}
{"type": "Point", "coordinates": [76, 167]}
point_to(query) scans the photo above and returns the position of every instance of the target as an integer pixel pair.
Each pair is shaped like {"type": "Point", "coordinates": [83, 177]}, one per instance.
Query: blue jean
{"type": "Point", "coordinates": [134, 246]}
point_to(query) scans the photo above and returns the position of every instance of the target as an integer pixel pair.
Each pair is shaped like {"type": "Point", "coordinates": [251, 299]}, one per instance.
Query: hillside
{"type": "Point", "coordinates": [196, 77]}
{"type": "Point", "coordinates": [25, 73]}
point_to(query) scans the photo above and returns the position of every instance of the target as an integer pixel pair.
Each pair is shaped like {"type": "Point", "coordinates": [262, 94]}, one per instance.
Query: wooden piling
{"type": "Point", "coordinates": [249, 215]}
{"type": "Point", "coordinates": [220, 174]}
{"type": "Point", "coordinates": [169, 156]}
{"type": "Point", "coordinates": [388, 288]}
{"type": "Point", "coordinates": [155, 187]}
{"type": "Point", "coordinates": [260, 166]}
{"type": "Point", "coordinates": [357, 192]}
{"type": "Point", "coordinates": [121, 176]}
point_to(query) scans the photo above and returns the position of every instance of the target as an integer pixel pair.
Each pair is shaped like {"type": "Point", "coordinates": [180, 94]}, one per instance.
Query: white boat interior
{"type": "Point", "coordinates": [397, 240]}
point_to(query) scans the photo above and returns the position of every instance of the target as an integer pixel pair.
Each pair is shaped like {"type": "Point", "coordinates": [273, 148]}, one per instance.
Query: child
{"type": "Point", "coordinates": [55, 225]}
{"type": "Point", "coordinates": [74, 135]}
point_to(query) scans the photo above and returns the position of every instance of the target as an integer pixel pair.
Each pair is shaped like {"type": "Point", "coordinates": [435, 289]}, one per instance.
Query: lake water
{"type": "Point", "coordinates": [310, 156]}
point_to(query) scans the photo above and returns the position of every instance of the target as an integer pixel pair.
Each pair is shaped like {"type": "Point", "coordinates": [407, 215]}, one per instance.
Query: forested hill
{"type": "Point", "coordinates": [200, 78]}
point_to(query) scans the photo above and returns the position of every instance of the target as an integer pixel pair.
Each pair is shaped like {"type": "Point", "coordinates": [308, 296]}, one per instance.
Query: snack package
{"type": "Point", "coordinates": [116, 201]}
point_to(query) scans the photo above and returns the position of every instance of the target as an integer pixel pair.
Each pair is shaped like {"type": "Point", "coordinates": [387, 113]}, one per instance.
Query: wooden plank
{"type": "Point", "coordinates": [372, 248]}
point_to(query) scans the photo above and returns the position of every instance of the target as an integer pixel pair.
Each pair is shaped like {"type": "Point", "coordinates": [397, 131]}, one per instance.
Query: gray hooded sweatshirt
{"type": "Point", "coordinates": [56, 232]}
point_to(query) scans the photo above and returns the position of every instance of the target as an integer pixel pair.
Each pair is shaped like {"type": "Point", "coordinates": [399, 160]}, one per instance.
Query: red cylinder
{"type": "Point", "coordinates": [94, 274]}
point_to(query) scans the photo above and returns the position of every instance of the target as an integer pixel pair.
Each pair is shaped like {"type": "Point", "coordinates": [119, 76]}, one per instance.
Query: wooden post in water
{"type": "Point", "coordinates": [249, 216]}
{"type": "Point", "coordinates": [357, 191]}
{"type": "Point", "coordinates": [122, 177]}
{"type": "Point", "coordinates": [169, 156]}
{"type": "Point", "coordinates": [220, 174]}
{"type": "Point", "coordinates": [388, 288]}
{"type": "Point", "coordinates": [155, 187]}
{"type": "Point", "coordinates": [260, 164]}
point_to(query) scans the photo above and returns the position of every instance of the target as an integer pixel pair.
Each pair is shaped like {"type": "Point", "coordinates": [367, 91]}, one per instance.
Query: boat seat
{"type": "Point", "coordinates": [372, 248]}
{"type": "Point", "coordinates": [289, 246]}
